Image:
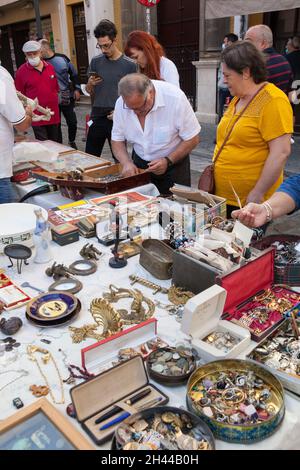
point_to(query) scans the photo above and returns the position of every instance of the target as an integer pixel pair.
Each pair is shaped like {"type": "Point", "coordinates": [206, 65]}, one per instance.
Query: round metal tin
{"type": "Point", "coordinates": [199, 428]}
{"type": "Point", "coordinates": [243, 434]}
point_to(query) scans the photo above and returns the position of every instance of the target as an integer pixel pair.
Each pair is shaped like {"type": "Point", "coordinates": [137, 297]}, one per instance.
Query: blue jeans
{"type": "Point", "coordinates": [7, 192]}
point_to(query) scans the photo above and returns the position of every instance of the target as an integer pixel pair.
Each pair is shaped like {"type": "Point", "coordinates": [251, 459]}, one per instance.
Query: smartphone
{"type": "Point", "coordinates": [94, 75]}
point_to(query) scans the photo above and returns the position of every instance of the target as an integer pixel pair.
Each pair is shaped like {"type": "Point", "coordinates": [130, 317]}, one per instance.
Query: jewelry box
{"type": "Point", "coordinates": [119, 387]}
{"type": "Point", "coordinates": [10, 294]}
{"type": "Point", "coordinates": [101, 355]}
{"type": "Point", "coordinates": [202, 321]}
{"type": "Point", "coordinates": [65, 234]}
{"type": "Point", "coordinates": [247, 302]}
{"type": "Point", "coordinates": [197, 275]}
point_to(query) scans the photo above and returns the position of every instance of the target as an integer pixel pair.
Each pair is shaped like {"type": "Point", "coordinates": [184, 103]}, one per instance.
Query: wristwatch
{"type": "Point", "coordinates": [169, 161]}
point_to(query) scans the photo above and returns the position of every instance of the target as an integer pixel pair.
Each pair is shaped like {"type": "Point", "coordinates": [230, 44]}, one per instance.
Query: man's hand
{"type": "Point", "coordinates": [28, 111]}
{"type": "Point", "coordinates": [252, 215]}
{"type": "Point", "coordinates": [77, 95]}
{"type": "Point", "coordinates": [158, 167]}
{"type": "Point", "coordinates": [255, 196]}
{"type": "Point", "coordinates": [92, 82]}
{"type": "Point", "coordinates": [129, 169]}
{"type": "Point", "coordinates": [110, 116]}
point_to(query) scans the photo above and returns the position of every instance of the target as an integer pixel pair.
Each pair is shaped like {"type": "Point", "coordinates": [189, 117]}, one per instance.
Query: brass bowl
{"type": "Point", "coordinates": [242, 434]}
{"type": "Point", "coordinates": [169, 380]}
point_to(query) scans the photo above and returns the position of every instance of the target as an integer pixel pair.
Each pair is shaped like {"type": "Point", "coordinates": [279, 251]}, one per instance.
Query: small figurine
{"type": "Point", "coordinates": [42, 238]}
{"type": "Point", "coordinates": [10, 326]}
{"type": "Point", "coordinates": [58, 271]}
{"type": "Point", "coordinates": [89, 252]}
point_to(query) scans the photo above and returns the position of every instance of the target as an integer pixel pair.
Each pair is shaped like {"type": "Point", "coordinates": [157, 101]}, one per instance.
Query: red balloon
{"type": "Point", "coordinates": [149, 3]}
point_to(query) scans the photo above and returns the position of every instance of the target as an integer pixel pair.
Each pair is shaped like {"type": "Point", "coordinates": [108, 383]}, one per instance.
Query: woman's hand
{"type": "Point", "coordinates": [252, 215]}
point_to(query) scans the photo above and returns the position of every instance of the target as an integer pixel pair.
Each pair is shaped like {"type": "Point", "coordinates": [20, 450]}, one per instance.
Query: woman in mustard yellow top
{"type": "Point", "coordinates": [253, 159]}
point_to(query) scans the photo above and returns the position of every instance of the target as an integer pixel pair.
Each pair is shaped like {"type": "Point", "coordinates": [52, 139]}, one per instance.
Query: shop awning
{"type": "Point", "coordinates": [224, 8]}
{"type": "Point", "coordinates": [4, 3]}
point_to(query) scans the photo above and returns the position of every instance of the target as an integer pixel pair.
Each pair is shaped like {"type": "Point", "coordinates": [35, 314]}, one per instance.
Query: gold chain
{"type": "Point", "coordinates": [46, 358]}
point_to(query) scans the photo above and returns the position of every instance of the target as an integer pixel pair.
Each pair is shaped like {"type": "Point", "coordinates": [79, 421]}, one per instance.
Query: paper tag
{"type": "Point", "coordinates": [90, 122]}
{"type": "Point", "coordinates": [243, 233]}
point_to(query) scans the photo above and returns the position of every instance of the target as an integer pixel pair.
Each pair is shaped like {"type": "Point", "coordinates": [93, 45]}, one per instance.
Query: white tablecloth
{"type": "Point", "coordinates": [286, 437]}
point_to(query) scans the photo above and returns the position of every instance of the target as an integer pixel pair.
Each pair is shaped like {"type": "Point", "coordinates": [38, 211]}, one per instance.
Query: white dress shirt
{"type": "Point", "coordinates": [11, 113]}
{"type": "Point", "coordinates": [170, 121]}
{"type": "Point", "coordinates": [169, 72]}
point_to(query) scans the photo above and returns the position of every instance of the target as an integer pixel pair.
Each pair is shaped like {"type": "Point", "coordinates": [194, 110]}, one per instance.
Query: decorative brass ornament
{"type": "Point", "coordinates": [138, 313]}
{"type": "Point", "coordinates": [146, 283]}
{"type": "Point", "coordinates": [107, 322]}
{"type": "Point", "coordinates": [179, 296]}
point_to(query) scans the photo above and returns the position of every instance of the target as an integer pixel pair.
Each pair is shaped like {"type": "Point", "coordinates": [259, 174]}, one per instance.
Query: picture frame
{"type": "Point", "coordinates": [40, 426]}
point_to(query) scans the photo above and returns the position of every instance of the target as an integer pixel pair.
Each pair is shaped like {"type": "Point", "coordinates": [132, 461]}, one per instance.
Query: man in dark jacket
{"type": "Point", "coordinates": [69, 88]}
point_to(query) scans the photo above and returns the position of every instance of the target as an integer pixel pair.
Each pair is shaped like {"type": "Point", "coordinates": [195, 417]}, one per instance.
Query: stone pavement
{"type": "Point", "coordinates": [200, 158]}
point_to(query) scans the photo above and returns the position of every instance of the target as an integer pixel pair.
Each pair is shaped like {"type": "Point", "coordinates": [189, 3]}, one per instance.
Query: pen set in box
{"type": "Point", "coordinates": [110, 397]}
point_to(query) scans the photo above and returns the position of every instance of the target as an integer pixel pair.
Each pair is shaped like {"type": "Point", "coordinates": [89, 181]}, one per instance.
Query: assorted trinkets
{"type": "Point", "coordinates": [171, 365]}
{"type": "Point", "coordinates": [264, 310]}
{"type": "Point", "coordinates": [240, 401]}
{"type": "Point", "coordinates": [222, 340]}
{"type": "Point", "coordinates": [7, 344]}
{"type": "Point", "coordinates": [280, 352]}
{"type": "Point", "coordinates": [164, 428]}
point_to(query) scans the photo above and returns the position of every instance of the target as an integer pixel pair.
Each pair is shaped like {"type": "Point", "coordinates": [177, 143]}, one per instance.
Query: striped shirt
{"type": "Point", "coordinates": [279, 70]}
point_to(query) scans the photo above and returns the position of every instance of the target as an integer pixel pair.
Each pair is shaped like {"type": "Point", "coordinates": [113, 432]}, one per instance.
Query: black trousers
{"type": "Point", "coordinates": [179, 173]}
{"type": "Point", "coordinates": [50, 132]}
{"type": "Point", "coordinates": [98, 132]}
{"type": "Point", "coordinates": [71, 120]}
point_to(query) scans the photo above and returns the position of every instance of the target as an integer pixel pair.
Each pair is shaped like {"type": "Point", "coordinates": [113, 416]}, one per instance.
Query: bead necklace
{"type": "Point", "coordinates": [46, 358]}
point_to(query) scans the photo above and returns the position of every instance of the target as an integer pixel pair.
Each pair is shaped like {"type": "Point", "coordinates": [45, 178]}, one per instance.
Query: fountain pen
{"type": "Point", "coordinates": [117, 409]}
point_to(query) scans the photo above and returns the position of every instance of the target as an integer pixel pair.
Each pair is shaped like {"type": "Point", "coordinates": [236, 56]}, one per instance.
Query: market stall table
{"type": "Point", "coordinates": [25, 373]}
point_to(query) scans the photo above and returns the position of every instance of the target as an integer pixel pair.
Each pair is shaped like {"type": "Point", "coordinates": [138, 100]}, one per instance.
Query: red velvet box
{"type": "Point", "coordinates": [248, 281]}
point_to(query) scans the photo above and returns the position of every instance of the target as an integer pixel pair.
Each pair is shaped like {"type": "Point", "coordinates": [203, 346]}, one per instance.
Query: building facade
{"type": "Point", "coordinates": [190, 31]}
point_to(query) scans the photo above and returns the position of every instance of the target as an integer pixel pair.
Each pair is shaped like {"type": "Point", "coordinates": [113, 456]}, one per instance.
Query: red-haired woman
{"type": "Point", "coordinates": [150, 56]}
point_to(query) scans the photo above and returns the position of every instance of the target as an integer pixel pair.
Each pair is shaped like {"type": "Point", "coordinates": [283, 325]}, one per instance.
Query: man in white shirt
{"type": "Point", "coordinates": [12, 115]}
{"type": "Point", "coordinates": [158, 120]}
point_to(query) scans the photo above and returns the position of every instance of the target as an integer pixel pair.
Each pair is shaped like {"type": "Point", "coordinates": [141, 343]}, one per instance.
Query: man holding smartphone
{"type": "Point", "coordinates": [105, 72]}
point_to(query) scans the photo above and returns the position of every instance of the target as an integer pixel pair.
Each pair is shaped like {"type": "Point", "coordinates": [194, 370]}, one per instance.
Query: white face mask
{"type": "Point", "coordinates": [34, 61]}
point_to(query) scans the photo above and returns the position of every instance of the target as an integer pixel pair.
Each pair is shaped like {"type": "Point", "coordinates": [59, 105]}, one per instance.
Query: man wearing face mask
{"type": "Point", "coordinates": [37, 79]}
